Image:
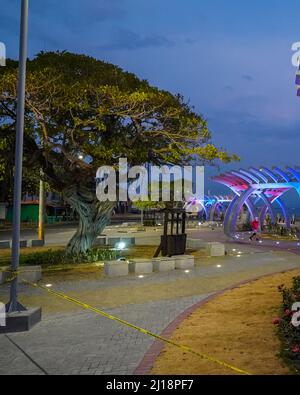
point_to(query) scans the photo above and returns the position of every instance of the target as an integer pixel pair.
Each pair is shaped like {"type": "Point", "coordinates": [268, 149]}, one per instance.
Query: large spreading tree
{"type": "Point", "coordinates": [82, 113]}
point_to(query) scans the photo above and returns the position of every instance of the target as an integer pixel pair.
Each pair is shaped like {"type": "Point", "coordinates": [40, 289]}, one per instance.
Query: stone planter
{"type": "Point", "coordinates": [116, 268]}
{"type": "Point", "coordinates": [141, 266]}
{"type": "Point", "coordinates": [215, 249]}
{"type": "Point", "coordinates": [184, 262]}
{"type": "Point", "coordinates": [163, 264]}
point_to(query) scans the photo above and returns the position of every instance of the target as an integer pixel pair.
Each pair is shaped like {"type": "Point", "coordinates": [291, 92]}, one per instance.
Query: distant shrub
{"type": "Point", "coordinates": [60, 257]}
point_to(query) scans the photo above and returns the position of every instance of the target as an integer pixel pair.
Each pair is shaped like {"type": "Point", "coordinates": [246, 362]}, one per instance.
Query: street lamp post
{"type": "Point", "coordinates": [14, 305]}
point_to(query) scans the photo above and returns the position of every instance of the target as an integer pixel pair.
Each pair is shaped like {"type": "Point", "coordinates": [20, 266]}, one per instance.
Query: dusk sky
{"type": "Point", "coordinates": [230, 58]}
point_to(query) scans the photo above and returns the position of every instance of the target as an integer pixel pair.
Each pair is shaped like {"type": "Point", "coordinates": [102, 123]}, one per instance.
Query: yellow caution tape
{"type": "Point", "coordinates": [144, 331]}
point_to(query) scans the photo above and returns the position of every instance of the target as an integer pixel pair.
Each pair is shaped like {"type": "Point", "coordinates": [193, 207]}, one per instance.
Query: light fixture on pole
{"type": "Point", "coordinates": [13, 304]}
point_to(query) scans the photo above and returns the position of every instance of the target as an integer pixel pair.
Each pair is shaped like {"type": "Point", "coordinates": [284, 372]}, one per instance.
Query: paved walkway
{"type": "Point", "coordinates": [72, 341]}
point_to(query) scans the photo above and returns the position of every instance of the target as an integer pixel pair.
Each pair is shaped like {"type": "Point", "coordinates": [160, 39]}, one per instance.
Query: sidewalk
{"type": "Point", "coordinates": [72, 341]}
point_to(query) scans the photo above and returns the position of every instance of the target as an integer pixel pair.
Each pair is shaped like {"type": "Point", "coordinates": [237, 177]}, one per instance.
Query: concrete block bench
{"type": "Point", "coordinates": [29, 273]}
{"type": "Point", "coordinates": [215, 249]}
{"type": "Point", "coordinates": [195, 244]}
{"type": "Point", "coordinates": [7, 244]}
{"type": "Point", "coordinates": [141, 266]}
{"type": "Point", "coordinates": [163, 264]}
{"type": "Point", "coordinates": [3, 275]}
{"type": "Point", "coordinates": [184, 261]}
{"type": "Point", "coordinates": [36, 243]}
{"type": "Point", "coordinates": [4, 244]}
{"type": "Point", "coordinates": [116, 268]}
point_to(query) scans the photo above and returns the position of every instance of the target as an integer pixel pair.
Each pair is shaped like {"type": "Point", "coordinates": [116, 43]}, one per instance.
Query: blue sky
{"type": "Point", "coordinates": [230, 58]}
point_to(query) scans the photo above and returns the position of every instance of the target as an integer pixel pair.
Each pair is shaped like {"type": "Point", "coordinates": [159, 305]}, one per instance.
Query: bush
{"type": "Point", "coordinates": [60, 257]}
{"type": "Point", "coordinates": [289, 334]}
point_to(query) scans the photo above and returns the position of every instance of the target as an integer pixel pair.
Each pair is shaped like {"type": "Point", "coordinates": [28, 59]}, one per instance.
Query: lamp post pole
{"type": "Point", "coordinates": [13, 304]}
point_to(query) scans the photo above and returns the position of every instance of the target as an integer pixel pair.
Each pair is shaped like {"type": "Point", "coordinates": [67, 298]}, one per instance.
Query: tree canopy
{"type": "Point", "coordinates": [82, 113]}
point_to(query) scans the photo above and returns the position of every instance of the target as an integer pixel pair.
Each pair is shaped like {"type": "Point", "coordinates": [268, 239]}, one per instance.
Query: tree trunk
{"type": "Point", "coordinates": [93, 217]}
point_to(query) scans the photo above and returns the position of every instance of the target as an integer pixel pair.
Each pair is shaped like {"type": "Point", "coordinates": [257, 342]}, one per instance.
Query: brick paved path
{"type": "Point", "coordinates": [80, 342]}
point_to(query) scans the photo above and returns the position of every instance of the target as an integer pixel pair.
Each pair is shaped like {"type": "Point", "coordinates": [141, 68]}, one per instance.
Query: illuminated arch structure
{"type": "Point", "coordinates": [254, 185]}
{"type": "Point", "coordinates": [210, 206]}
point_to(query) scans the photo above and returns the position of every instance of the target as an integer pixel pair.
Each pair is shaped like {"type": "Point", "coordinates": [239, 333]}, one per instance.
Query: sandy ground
{"type": "Point", "coordinates": [236, 328]}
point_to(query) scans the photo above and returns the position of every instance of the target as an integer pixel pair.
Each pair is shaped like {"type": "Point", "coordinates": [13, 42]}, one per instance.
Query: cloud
{"type": "Point", "coordinates": [228, 88]}
{"type": "Point", "coordinates": [190, 41]}
{"type": "Point", "coordinates": [248, 78]}
{"type": "Point", "coordinates": [129, 40]}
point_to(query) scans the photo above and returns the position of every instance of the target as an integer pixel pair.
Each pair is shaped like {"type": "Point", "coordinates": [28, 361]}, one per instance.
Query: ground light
{"type": "Point", "coordinates": [121, 245]}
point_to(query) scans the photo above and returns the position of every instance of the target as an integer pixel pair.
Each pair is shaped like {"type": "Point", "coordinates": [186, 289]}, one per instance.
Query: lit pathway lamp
{"type": "Point", "coordinates": [18, 317]}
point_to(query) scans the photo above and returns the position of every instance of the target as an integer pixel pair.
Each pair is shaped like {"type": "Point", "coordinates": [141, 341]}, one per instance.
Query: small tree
{"type": "Point", "coordinates": [79, 107]}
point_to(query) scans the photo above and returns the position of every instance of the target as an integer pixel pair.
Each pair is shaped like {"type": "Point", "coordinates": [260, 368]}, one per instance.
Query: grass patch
{"type": "Point", "coordinates": [236, 328]}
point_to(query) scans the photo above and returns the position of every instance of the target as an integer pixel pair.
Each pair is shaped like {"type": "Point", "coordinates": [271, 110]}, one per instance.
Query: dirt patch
{"type": "Point", "coordinates": [236, 328]}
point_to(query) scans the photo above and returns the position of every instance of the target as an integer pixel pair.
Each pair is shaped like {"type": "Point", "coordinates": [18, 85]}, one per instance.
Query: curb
{"type": "Point", "coordinates": [147, 363]}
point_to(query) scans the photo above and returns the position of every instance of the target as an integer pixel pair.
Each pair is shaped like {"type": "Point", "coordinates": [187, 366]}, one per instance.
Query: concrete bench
{"type": "Point", "coordinates": [4, 244]}
{"type": "Point", "coordinates": [3, 275]}
{"type": "Point", "coordinates": [215, 249]}
{"type": "Point", "coordinates": [36, 243]}
{"type": "Point", "coordinates": [7, 244]}
{"type": "Point", "coordinates": [141, 266]}
{"type": "Point", "coordinates": [127, 224]}
{"type": "Point", "coordinates": [195, 244]}
{"type": "Point", "coordinates": [116, 268]}
{"type": "Point", "coordinates": [163, 264]}
{"type": "Point", "coordinates": [29, 273]}
{"type": "Point", "coordinates": [184, 261]}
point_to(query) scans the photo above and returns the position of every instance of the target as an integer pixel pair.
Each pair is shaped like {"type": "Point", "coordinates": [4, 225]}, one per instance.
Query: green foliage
{"type": "Point", "coordinates": [61, 257]}
{"type": "Point", "coordinates": [77, 104]}
{"type": "Point", "coordinates": [148, 205]}
{"type": "Point", "coordinates": [289, 334]}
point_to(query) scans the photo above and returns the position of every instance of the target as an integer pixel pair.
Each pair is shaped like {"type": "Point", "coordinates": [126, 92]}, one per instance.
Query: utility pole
{"type": "Point", "coordinates": [42, 201]}
{"type": "Point", "coordinates": [14, 305]}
